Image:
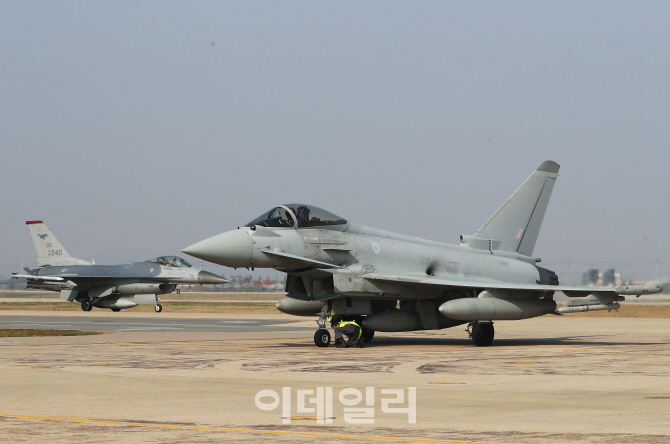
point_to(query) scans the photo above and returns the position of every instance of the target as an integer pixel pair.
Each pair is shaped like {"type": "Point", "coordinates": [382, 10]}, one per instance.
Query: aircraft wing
{"type": "Point", "coordinates": [76, 277]}
{"type": "Point", "coordinates": [571, 291]}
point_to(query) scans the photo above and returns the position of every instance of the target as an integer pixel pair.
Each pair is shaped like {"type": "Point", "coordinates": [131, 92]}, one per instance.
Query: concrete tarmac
{"type": "Point", "coordinates": [546, 380]}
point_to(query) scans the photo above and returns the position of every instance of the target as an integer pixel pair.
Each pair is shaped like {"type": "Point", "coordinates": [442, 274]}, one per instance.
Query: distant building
{"type": "Point", "coordinates": [609, 278]}
{"type": "Point", "coordinates": [590, 277]}
{"type": "Point", "coordinates": [594, 278]}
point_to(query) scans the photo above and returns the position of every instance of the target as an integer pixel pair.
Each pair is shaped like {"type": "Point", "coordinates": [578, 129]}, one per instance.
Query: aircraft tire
{"type": "Point", "coordinates": [116, 309]}
{"type": "Point", "coordinates": [87, 305]}
{"type": "Point", "coordinates": [482, 334]}
{"type": "Point", "coordinates": [158, 308]}
{"type": "Point", "coordinates": [322, 338]}
{"type": "Point", "coordinates": [367, 335]}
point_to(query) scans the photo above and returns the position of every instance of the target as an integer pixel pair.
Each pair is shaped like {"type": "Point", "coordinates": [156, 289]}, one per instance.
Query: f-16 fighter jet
{"type": "Point", "coordinates": [106, 286]}
{"type": "Point", "coordinates": [389, 282]}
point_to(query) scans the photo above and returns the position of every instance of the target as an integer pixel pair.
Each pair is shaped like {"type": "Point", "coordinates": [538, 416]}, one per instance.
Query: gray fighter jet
{"type": "Point", "coordinates": [106, 286]}
{"type": "Point", "coordinates": [391, 283]}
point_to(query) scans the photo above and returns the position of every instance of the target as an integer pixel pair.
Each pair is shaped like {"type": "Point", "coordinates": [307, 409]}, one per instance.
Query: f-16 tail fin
{"type": "Point", "coordinates": [517, 222]}
{"type": "Point", "coordinates": [50, 252]}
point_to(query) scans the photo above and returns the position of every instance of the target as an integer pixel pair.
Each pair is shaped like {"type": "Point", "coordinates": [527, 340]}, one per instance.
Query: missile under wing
{"type": "Point", "coordinates": [391, 282]}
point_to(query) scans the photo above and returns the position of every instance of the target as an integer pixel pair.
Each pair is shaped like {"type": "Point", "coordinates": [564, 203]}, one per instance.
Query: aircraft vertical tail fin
{"type": "Point", "coordinates": [50, 252]}
{"type": "Point", "coordinates": [517, 222]}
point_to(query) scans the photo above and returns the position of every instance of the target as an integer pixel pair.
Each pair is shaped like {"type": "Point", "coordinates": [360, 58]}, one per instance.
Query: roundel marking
{"type": "Point", "coordinates": [375, 248]}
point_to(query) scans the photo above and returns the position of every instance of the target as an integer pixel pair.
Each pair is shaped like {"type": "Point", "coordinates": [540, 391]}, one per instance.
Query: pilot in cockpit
{"type": "Point", "coordinates": [171, 261]}
{"type": "Point", "coordinates": [302, 214]}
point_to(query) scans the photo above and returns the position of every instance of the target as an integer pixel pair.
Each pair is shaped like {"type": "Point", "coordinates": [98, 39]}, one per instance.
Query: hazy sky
{"type": "Point", "coordinates": [134, 129]}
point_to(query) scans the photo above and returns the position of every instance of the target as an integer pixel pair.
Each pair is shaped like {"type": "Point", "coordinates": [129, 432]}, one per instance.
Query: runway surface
{"type": "Point", "coordinates": [112, 323]}
{"type": "Point", "coordinates": [546, 380]}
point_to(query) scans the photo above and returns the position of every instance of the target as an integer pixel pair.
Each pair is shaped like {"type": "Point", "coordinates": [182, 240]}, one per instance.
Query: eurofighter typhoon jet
{"type": "Point", "coordinates": [390, 282]}
{"type": "Point", "coordinates": [106, 286]}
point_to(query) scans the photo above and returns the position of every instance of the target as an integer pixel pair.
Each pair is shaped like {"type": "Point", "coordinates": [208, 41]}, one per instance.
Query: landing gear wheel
{"type": "Point", "coordinates": [367, 335]}
{"type": "Point", "coordinates": [322, 337]}
{"type": "Point", "coordinates": [86, 305]}
{"type": "Point", "coordinates": [158, 308]}
{"type": "Point", "coordinates": [116, 309]}
{"type": "Point", "coordinates": [482, 334]}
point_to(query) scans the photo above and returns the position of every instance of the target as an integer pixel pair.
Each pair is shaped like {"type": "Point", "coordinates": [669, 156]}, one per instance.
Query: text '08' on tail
{"type": "Point", "coordinates": [517, 222]}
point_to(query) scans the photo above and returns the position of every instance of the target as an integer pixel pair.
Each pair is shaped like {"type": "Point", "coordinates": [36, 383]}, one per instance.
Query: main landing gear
{"type": "Point", "coordinates": [87, 305]}
{"type": "Point", "coordinates": [481, 333]}
{"type": "Point", "coordinates": [158, 308]}
{"type": "Point", "coordinates": [367, 335]}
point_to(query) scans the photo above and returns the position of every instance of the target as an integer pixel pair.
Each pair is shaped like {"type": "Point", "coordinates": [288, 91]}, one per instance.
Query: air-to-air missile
{"type": "Point", "coordinates": [583, 308]}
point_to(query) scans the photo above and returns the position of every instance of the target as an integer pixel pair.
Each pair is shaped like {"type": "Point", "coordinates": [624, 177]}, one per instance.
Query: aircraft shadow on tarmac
{"type": "Point", "coordinates": [585, 340]}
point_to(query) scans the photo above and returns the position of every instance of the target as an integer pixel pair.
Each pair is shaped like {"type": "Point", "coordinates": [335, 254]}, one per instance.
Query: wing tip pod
{"type": "Point", "coordinates": [549, 166]}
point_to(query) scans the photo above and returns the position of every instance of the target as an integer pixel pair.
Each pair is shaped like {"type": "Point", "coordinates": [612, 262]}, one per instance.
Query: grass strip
{"type": "Point", "coordinates": [27, 332]}
{"type": "Point", "coordinates": [186, 296]}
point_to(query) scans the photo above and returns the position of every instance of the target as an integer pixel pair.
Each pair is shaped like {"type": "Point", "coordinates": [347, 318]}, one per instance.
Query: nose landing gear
{"type": "Point", "coordinates": [322, 335]}
{"type": "Point", "coordinates": [322, 338]}
{"type": "Point", "coordinates": [158, 308]}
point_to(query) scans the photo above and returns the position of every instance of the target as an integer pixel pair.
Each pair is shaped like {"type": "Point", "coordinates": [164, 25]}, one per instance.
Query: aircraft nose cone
{"type": "Point", "coordinates": [205, 277]}
{"type": "Point", "coordinates": [232, 249]}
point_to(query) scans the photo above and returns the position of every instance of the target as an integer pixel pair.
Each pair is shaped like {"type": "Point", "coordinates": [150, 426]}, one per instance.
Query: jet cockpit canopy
{"type": "Point", "coordinates": [290, 214]}
{"type": "Point", "coordinates": [171, 261]}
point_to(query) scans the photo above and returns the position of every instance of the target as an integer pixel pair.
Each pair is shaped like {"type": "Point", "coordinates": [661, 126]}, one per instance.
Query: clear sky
{"type": "Point", "coordinates": [134, 129]}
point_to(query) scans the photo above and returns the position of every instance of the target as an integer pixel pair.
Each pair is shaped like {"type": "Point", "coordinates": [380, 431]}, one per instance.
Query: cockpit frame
{"type": "Point", "coordinates": [295, 219]}
{"type": "Point", "coordinates": [320, 218]}
{"type": "Point", "coordinates": [171, 261]}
